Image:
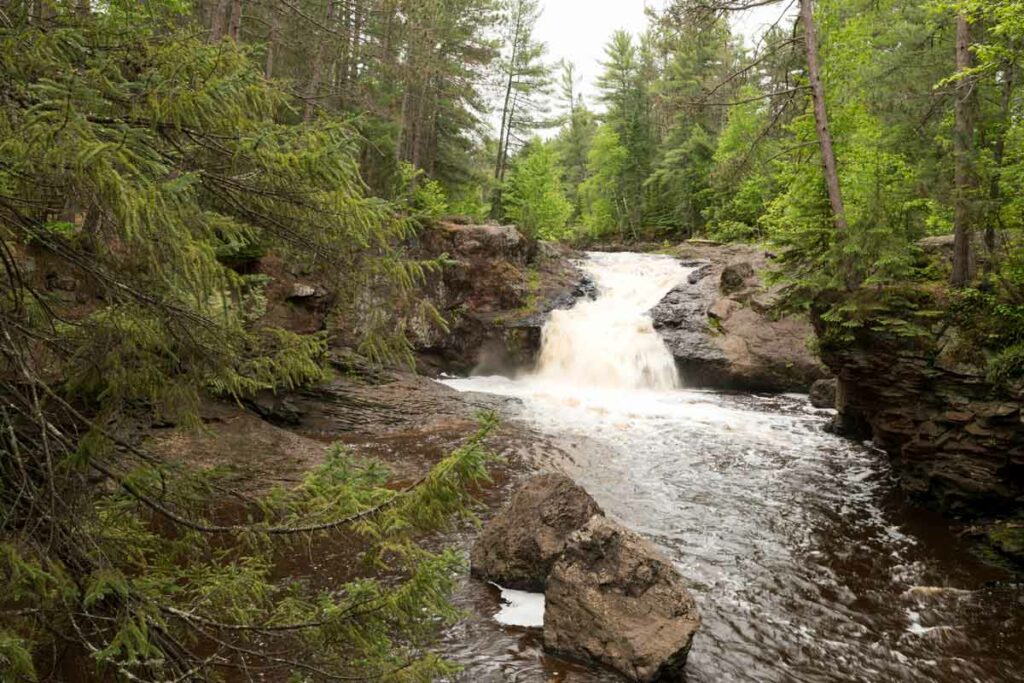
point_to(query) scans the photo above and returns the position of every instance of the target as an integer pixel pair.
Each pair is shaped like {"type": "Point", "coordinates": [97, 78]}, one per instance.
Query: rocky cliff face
{"type": "Point", "coordinates": [494, 294]}
{"type": "Point", "coordinates": [956, 440]}
{"type": "Point", "coordinates": [720, 328]}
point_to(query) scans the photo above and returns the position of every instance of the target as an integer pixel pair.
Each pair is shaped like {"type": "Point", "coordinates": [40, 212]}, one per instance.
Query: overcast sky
{"type": "Point", "coordinates": [578, 30]}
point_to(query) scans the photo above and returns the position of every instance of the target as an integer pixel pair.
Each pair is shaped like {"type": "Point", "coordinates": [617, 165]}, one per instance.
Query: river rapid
{"type": "Point", "coordinates": [806, 562]}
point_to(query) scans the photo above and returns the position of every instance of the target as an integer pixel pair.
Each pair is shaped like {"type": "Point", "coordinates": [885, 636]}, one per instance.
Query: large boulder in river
{"type": "Point", "coordinates": [520, 545]}
{"type": "Point", "coordinates": [722, 331]}
{"type": "Point", "coordinates": [612, 599]}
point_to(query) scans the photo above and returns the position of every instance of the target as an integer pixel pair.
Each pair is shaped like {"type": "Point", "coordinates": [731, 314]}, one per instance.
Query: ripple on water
{"type": "Point", "coordinates": [806, 565]}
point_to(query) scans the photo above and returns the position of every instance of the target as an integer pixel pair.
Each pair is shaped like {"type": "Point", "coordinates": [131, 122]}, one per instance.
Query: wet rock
{"type": "Point", "coordinates": [735, 276]}
{"type": "Point", "coordinates": [612, 599]}
{"type": "Point", "coordinates": [823, 393]}
{"type": "Point", "coordinates": [702, 269]}
{"type": "Point", "coordinates": [519, 546]}
{"type": "Point", "coordinates": [495, 295]}
{"type": "Point", "coordinates": [734, 340]}
{"type": "Point", "coordinates": [955, 439]}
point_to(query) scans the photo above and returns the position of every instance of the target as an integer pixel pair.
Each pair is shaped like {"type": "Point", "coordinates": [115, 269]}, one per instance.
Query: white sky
{"type": "Point", "coordinates": [578, 30]}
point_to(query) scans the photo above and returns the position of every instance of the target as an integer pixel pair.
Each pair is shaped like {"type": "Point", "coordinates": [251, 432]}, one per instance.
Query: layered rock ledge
{"type": "Point", "coordinates": [956, 440]}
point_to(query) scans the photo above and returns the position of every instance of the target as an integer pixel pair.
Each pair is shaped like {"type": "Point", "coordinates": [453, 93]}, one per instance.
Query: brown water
{"type": "Point", "coordinates": [806, 562]}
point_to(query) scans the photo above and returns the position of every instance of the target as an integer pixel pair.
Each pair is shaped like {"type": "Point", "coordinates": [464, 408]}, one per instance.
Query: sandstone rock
{"type": "Point", "coordinates": [275, 408]}
{"type": "Point", "coordinates": [823, 393]}
{"type": "Point", "coordinates": [495, 295]}
{"type": "Point", "coordinates": [735, 276]}
{"type": "Point", "coordinates": [955, 439]}
{"type": "Point", "coordinates": [519, 546]}
{"type": "Point", "coordinates": [722, 309]}
{"type": "Point", "coordinates": [613, 599]}
{"type": "Point", "coordinates": [734, 341]}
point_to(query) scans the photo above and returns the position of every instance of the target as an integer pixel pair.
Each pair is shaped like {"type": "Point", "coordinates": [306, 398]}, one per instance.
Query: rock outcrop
{"type": "Point", "coordinates": [519, 546]}
{"type": "Point", "coordinates": [612, 599]}
{"type": "Point", "coordinates": [823, 393]}
{"type": "Point", "coordinates": [720, 328]}
{"type": "Point", "coordinates": [956, 440]}
{"type": "Point", "coordinates": [494, 294]}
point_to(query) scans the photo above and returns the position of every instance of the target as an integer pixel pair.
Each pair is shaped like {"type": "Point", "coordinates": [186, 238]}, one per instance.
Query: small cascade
{"type": "Point", "coordinates": [611, 342]}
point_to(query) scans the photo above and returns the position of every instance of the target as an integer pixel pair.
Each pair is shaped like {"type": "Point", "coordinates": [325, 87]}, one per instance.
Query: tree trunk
{"type": "Point", "coordinates": [963, 147]}
{"type": "Point", "coordinates": [218, 19]}
{"type": "Point", "coordinates": [318, 66]}
{"type": "Point", "coordinates": [355, 59]}
{"type": "Point", "coordinates": [506, 123]}
{"type": "Point", "coordinates": [828, 155]}
{"type": "Point", "coordinates": [998, 154]}
{"type": "Point", "coordinates": [235, 24]}
{"type": "Point", "coordinates": [275, 27]}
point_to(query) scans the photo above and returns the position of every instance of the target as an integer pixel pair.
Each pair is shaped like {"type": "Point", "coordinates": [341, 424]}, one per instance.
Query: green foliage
{"type": "Point", "coordinates": [423, 199]}
{"type": "Point", "coordinates": [623, 154]}
{"type": "Point", "coordinates": [142, 164]}
{"type": "Point", "coordinates": [15, 659]}
{"type": "Point", "coordinates": [533, 197]}
{"type": "Point", "coordinates": [601, 194]}
{"type": "Point", "coordinates": [994, 325]}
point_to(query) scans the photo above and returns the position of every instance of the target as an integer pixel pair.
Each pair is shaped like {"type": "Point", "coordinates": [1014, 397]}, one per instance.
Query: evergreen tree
{"type": "Point", "coordinates": [534, 199]}
{"type": "Point", "coordinates": [626, 94]}
{"type": "Point", "coordinates": [140, 163]}
{"type": "Point", "coordinates": [575, 138]}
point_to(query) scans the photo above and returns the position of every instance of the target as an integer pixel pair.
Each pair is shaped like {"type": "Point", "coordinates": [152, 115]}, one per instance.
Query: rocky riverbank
{"type": "Point", "coordinates": [955, 438]}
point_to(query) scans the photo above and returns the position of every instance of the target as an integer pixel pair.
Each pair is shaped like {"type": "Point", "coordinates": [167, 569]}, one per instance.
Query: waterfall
{"type": "Point", "coordinates": [611, 341]}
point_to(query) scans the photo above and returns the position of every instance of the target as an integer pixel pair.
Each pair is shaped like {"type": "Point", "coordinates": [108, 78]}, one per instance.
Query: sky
{"type": "Point", "coordinates": [577, 30]}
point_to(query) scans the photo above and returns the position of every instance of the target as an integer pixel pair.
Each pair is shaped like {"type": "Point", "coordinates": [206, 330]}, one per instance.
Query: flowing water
{"type": "Point", "coordinates": [807, 564]}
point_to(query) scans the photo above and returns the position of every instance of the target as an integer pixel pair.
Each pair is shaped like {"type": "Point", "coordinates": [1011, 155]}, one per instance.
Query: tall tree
{"type": "Point", "coordinates": [963, 152]}
{"type": "Point", "coordinates": [828, 155]}
{"type": "Point", "coordinates": [625, 90]}
{"type": "Point", "coordinates": [526, 82]}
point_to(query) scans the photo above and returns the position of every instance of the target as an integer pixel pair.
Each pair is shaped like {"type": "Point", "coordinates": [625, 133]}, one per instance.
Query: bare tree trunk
{"type": "Point", "coordinates": [506, 123]}
{"type": "Point", "coordinates": [275, 27]}
{"type": "Point", "coordinates": [318, 65]}
{"type": "Point", "coordinates": [355, 54]}
{"type": "Point", "coordinates": [235, 24]}
{"type": "Point", "coordinates": [963, 147]}
{"type": "Point", "coordinates": [998, 154]}
{"type": "Point", "coordinates": [218, 19]}
{"type": "Point", "coordinates": [828, 155]}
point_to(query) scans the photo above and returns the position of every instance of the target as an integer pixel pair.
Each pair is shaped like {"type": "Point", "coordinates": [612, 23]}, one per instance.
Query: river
{"type": "Point", "coordinates": [806, 562]}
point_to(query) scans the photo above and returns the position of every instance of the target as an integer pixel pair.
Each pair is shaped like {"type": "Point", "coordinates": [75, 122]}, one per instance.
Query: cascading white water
{"type": "Point", "coordinates": [787, 535]}
{"type": "Point", "coordinates": [611, 342]}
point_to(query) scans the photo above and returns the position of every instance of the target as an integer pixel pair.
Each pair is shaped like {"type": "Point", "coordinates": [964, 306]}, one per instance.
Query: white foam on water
{"type": "Point", "coordinates": [611, 341]}
{"type": "Point", "coordinates": [519, 608]}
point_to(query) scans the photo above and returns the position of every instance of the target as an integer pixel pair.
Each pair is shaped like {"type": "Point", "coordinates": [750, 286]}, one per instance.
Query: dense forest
{"type": "Point", "coordinates": [148, 148]}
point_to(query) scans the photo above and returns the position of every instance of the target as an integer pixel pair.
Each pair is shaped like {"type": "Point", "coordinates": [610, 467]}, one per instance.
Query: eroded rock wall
{"type": "Point", "coordinates": [956, 440]}
{"type": "Point", "coordinates": [495, 294]}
